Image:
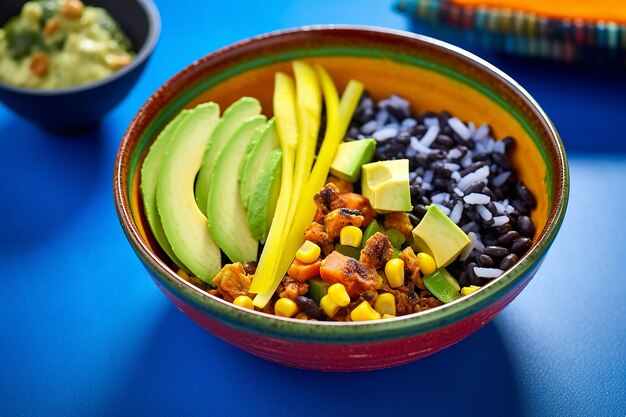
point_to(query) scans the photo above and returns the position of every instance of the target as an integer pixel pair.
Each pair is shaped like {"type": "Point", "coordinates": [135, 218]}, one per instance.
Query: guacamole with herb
{"type": "Point", "coordinates": [61, 43]}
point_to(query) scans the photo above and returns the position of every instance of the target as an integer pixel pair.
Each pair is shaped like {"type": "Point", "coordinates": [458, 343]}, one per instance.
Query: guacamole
{"type": "Point", "coordinates": [61, 43]}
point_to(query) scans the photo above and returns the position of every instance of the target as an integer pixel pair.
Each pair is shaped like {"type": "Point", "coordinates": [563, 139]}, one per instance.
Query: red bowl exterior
{"type": "Point", "coordinates": [365, 356]}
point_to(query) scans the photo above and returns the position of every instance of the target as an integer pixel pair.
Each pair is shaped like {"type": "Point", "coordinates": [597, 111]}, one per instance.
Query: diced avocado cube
{"type": "Point", "coordinates": [442, 285]}
{"type": "Point", "coordinates": [350, 157]}
{"type": "Point", "coordinates": [439, 237]}
{"type": "Point", "coordinates": [386, 185]}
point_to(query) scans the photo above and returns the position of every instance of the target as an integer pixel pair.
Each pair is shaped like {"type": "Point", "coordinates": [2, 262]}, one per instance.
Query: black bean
{"type": "Point", "coordinates": [309, 306]}
{"type": "Point", "coordinates": [437, 155]}
{"type": "Point", "coordinates": [464, 279]}
{"type": "Point", "coordinates": [445, 140]}
{"type": "Point", "coordinates": [508, 261]}
{"type": "Point", "coordinates": [396, 148]}
{"type": "Point", "coordinates": [369, 295]}
{"type": "Point", "coordinates": [441, 183]}
{"type": "Point", "coordinates": [476, 187]}
{"type": "Point", "coordinates": [438, 147]}
{"type": "Point", "coordinates": [472, 215]}
{"type": "Point", "coordinates": [425, 200]}
{"type": "Point", "coordinates": [509, 143]}
{"type": "Point", "coordinates": [502, 160]}
{"type": "Point", "coordinates": [520, 206]}
{"type": "Point", "coordinates": [462, 149]}
{"type": "Point", "coordinates": [398, 114]}
{"type": "Point", "coordinates": [428, 115]}
{"type": "Point", "coordinates": [440, 169]}
{"type": "Point", "coordinates": [489, 241]}
{"type": "Point", "coordinates": [422, 161]}
{"type": "Point", "coordinates": [418, 130]}
{"type": "Point", "coordinates": [473, 167]}
{"type": "Point", "coordinates": [419, 210]}
{"type": "Point", "coordinates": [485, 260]}
{"type": "Point", "coordinates": [507, 238]}
{"type": "Point", "coordinates": [416, 191]}
{"type": "Point", "coordinates": [496, 251]}
{"type": "Point", "coordinates": [412, 164]}
{"type": "Point", "coordinates": [492, 208]}
{"type": "Point", "coordinates": [487, 191]}
{"type": "Point", "coordinates": [472, 275]}
{"type": "Point", "coordinates": [504, 229]}
{"type": "Point", "coordinates": [521, 245]}
{"type": "Point", "coordinates": [414, 219]}
{"type": "Point", "coordinates": [526, 195]}
{"type": "Point", "coordinates": [443, 117]}
{"type": "Point", "coordinates": [404, 138]}
{"type": "Point", "coordinates": [525, 226]}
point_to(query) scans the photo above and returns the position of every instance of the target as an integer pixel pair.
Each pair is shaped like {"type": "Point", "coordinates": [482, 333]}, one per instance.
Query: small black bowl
{"type": "Point", "coordinates": [76, 108]}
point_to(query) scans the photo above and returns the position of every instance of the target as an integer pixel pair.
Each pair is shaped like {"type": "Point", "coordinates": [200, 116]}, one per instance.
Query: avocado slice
{"type": "Point", "coordinates": [231, 120]}
{"type": "Point", "coordinates": [439, 237]}
{"type": "Point", "coordinates": [256, 159]}
{"type": "Point", "coordinates": [149, 173]}
{"type": "Point", "coordinates": [264, 198]}
{"type": "Point", "coordinates": [184, 224]}
{"type": "Point", "coordinates": [226, 215]}
{"type": "Point", "coordinates": [386, 185]}
{"type": "Point", "coordinates": [442, 285]}
{"type": "Point", "coordinates": [350, 157]}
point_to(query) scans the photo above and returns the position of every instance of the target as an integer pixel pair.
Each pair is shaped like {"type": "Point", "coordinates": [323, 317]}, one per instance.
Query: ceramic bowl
{"type": "Point", "coordinates": [433, 76]}
{"type": "Point", "coordinates": [75, 108]}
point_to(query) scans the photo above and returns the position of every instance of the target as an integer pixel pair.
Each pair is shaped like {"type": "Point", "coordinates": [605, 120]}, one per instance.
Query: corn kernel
{"type": "Point", "coordinates": [387, 316]}
{"type": "Point", "coordinates": [308, 252]}
{"type": "Point", "coordinates": [394, 271]}
{"type": "Point", "coordinates": [285, 307]}
{"type": "Point", "coordinates": [244, 301]}
{"type": "Point", "coordinates": [469, 290]}
{"type": "Point", "coordinates": [385, 304]}
{"type": "Point", "coordinates": [363, 312]}
{"type": "Point", "coordinates": [351, 236]}
{"type": "Point", "coordinates": [181, 273]}
{"type": "Point", "coordinates": [426, 263]}
{"type": "Point", "coordinates": [339, 295]}
{"type": "Point", "coordinates": [379, 282]}
{"type": "Point", "coordinates": [329, 306]}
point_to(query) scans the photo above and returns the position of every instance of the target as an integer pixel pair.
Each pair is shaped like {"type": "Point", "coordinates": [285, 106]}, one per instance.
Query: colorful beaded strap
{"type": "Point", "coordinates": [546, 31]}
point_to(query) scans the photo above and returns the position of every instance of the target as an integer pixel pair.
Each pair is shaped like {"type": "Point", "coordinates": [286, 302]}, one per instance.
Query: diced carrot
{"type": "Point", "coordinates": [302, 272]}
{"type": "Point", "coordinates": [354, 275]}
{"type": "Point", "coordinates": [355, 201]}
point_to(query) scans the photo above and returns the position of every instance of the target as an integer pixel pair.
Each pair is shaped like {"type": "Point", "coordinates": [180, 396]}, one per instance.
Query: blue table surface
{"type": "Point", "coordinates": [83, 331]}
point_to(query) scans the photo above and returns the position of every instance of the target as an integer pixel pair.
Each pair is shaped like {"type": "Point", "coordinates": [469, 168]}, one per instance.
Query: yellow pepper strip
{"type": "Point", "coordinates": [309, 112]}
{"type": "Point", "coordinates": [284, 111]}
{"type": "Point", "coordinates": [338, 116]}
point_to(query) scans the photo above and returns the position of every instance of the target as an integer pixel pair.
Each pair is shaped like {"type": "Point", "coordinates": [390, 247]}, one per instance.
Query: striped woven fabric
{"type": "Point", "coordinates": [562, 30]}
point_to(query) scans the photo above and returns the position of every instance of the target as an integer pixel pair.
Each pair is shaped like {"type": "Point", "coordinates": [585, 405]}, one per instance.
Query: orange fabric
{"type": "Point", "coordinates": [588, 10]}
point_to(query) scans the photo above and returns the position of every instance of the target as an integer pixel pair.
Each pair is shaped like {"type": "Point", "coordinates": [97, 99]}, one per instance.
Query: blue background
{"type": "Point", "coordinates": [83, 331]}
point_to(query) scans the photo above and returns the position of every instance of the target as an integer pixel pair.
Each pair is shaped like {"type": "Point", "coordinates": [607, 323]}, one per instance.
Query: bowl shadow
{"type": "Point", "coordinates": [49, 179]}
{"type": "Point", "coordinates": [184, 370]}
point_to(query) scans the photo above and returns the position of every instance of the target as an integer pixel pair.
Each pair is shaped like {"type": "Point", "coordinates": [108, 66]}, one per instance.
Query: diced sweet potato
{"type": "Point", "coordinates": [399, 221]}
{"type": "Point", "coordinates": [301, 271]}
{"type": "Point", "coordinates": [340, 218]}
{"type": "Point", "coordinates": [354, 275]}
{"type": "Point", "coordinates": [355, 201]}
